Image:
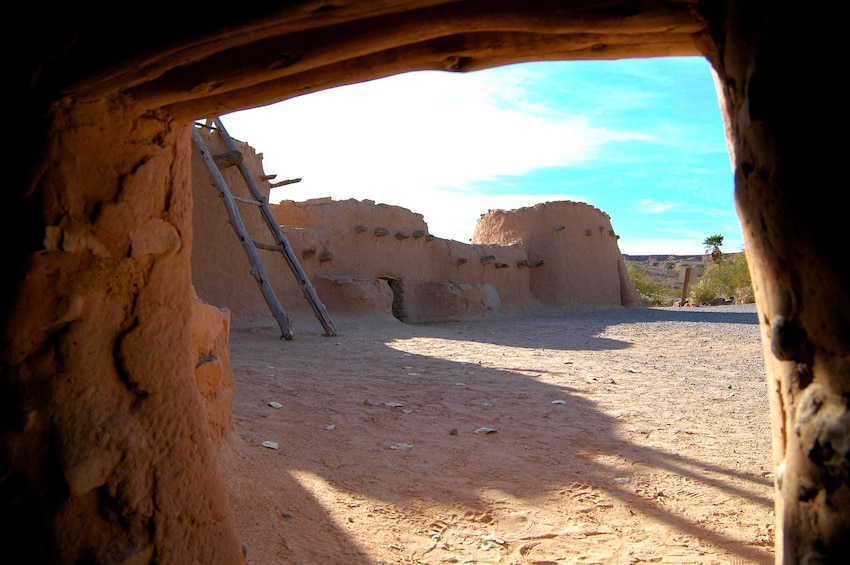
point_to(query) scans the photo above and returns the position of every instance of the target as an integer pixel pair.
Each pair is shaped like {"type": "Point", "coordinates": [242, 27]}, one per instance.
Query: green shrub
{"type": "Point", "coordinates": [652, 292]}
{"type": "Point", "coordinates": [703, 292]}
{"type": "Point", "coordinates": [728, 277]}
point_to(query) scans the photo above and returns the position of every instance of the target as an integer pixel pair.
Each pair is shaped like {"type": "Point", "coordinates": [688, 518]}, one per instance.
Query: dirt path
{"type": "Point", "coordinates": [620, 436]}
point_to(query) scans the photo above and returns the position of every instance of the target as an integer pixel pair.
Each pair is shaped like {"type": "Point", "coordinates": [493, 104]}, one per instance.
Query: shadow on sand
{"type": "Point", "coordinates": [559, 450]}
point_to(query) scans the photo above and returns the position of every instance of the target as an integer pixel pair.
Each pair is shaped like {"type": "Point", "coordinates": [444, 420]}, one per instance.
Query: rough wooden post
{"type": "Point", "coordinates": [685, 279]}
{"type": "Point", "coordinates": [785, 162]}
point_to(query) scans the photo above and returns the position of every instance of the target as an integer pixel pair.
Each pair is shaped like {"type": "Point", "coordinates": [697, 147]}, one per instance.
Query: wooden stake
{"type": "Point", "coordinates": [685, 283]}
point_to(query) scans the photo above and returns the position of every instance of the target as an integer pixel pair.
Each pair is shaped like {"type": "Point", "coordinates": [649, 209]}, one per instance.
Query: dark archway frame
{"type": "Point", "coordinates": [97, 231]}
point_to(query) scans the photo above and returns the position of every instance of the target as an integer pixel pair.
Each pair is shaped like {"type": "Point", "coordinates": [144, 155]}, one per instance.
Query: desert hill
{"type": "Point", "coordinates": [666, 268]}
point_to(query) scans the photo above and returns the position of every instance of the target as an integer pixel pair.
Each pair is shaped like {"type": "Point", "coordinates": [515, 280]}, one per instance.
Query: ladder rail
{"type": "Point", "coordinates": [285, 249]}
{"type": "Point", "coordinates": [257, 269]}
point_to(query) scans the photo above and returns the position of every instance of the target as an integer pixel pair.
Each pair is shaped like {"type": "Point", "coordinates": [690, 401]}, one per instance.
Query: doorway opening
{"type": "Point", "coordinates": [397, 287]}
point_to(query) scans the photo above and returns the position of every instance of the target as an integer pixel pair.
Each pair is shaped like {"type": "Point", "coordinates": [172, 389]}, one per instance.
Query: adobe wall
{"type": "Point", "coordinates": [391, 243]}
{"type": "Point", "coordinates": [576, 242]}
{"type": "Point", "coordinates": [361, 256]}
{"type": "Point", "coordinates": [108, 450]}
{"type": "Point", "coordinates": [213, 376]}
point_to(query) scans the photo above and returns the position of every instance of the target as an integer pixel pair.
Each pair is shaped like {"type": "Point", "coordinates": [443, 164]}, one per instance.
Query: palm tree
{"type": "Point", "coordinates": [713, 244]}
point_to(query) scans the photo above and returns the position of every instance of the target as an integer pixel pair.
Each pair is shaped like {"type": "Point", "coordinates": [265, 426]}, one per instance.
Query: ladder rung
{"type": "Point", "coordinates": [228, 159]}
{"type": "Point", "coordinates": [268, 247]}
{"type": "Point", "coordinates": [247, 200]}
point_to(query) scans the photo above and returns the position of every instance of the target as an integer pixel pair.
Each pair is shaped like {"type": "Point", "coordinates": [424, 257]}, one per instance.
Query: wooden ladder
{"type": "Point", "coordinates": [234, 158]}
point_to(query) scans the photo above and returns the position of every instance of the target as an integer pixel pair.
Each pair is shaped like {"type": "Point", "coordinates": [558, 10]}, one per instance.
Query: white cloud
{"type": "Point", "coordinates": [660, 247]}
{"type": "Point", "coordinates": [430, 141]}
{"type": "Point", "coordinates": [420, 141]}
{"type": "Point", "coordinates": [648, 206]}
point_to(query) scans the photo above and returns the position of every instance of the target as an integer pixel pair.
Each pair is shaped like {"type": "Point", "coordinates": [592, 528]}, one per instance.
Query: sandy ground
{"type": "Point", "coordinates": [618, 436]}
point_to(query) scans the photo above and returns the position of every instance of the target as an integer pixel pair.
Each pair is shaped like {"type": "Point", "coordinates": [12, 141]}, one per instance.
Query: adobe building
{"type": "Point", "coordinates": [366, 258]}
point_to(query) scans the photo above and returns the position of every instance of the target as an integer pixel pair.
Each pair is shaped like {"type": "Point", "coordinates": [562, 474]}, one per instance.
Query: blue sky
{"type": "Point", "coordinates": [640, 139]}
